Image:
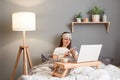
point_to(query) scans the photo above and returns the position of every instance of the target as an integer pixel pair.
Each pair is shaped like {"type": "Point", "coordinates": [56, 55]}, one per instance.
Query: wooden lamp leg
{"type": "Point", "coordinates": [26, 56]}
{"type": "Point", "coordinates": [25, 71]}
{"type": "Point", "coordinates": [16, 63]}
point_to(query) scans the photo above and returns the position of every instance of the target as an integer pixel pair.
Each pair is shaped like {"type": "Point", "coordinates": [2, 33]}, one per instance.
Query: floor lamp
{"type": "Point", "coordinates": [23, 21]}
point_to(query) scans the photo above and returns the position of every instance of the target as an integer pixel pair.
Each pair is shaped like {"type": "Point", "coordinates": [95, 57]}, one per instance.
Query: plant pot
{"type": "Point", "coordinates": [78, 19]}
{"type": "Point", "coordinates": [96, 18]}
{"type": "Point", "coordinates": [85, 20]}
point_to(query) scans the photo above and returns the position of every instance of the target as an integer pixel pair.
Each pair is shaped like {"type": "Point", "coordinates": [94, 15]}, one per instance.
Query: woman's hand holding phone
{"type": "Point", "coordinates": [72, 51]}
{"type": "Point", "coordinates": [67, 53]}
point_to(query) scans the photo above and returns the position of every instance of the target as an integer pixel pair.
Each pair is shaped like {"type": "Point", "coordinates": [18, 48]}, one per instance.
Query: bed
{"type": "Point", "coordinates": [44, 71]}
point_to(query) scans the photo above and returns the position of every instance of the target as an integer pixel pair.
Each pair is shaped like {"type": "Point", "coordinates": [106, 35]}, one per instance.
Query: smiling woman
{"type": "Point", "coordinates": [27, 3]}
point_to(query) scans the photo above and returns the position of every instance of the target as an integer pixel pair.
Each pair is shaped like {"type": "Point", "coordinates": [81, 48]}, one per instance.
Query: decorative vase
{"type": "Point", "coordinates": [96, 18]}
{"type": "Point", "coordinates": [104, 18]}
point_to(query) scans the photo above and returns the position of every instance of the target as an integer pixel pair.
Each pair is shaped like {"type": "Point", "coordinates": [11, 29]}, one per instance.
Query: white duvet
{"type": "Point", "coordinates": [42, 72]}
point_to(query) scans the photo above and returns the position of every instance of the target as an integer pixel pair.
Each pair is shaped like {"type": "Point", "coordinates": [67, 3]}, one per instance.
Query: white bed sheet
{"type": "Point", "coordinates": [42, 72]}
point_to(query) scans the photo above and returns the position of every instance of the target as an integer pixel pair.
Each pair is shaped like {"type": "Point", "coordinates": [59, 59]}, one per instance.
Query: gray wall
{"type": "Point", "coordinates": [53, 18]}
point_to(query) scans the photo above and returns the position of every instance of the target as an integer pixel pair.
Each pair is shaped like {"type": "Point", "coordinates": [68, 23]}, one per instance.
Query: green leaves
{"type": "Point", "coordinates": [96, 10]}
{"type": "Point", "coordinates": [79, 15]}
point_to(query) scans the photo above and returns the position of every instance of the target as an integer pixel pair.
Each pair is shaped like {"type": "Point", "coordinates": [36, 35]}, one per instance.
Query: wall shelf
{"type": "Point", "coordinates": [107, 24]}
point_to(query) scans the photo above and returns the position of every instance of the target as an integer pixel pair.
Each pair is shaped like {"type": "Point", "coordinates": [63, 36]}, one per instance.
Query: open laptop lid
{"type": "Point", "coordinates": [89, 52]}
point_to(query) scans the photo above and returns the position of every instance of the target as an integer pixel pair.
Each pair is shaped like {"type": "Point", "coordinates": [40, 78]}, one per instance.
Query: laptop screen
{"type": "Point", "coordinates": [89, 52]}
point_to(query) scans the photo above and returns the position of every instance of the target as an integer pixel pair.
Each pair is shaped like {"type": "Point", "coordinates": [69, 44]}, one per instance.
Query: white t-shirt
{"type": "Point", "coordinates": [60, 52]}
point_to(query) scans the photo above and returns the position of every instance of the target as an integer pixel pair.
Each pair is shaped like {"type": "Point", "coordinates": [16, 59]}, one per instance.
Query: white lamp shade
{"type": "Point", "coordinates": [23, 21]}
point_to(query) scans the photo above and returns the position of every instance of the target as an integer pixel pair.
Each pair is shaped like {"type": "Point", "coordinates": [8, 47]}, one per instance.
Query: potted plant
{"type": "Point", "coordinates": [96, 12]}
{"type": "Point", "coordinates": [78, 17]}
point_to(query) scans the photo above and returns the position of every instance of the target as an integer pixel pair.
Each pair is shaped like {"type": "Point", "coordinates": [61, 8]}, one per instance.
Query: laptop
{"type": "Point", "coordinates": [89, 53]}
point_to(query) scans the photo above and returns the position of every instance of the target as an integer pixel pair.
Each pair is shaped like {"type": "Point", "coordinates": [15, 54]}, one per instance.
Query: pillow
{"type": "Point", "coordinates": [46, 57]}
{"type": "Point", "coordinates": [106, 60]}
